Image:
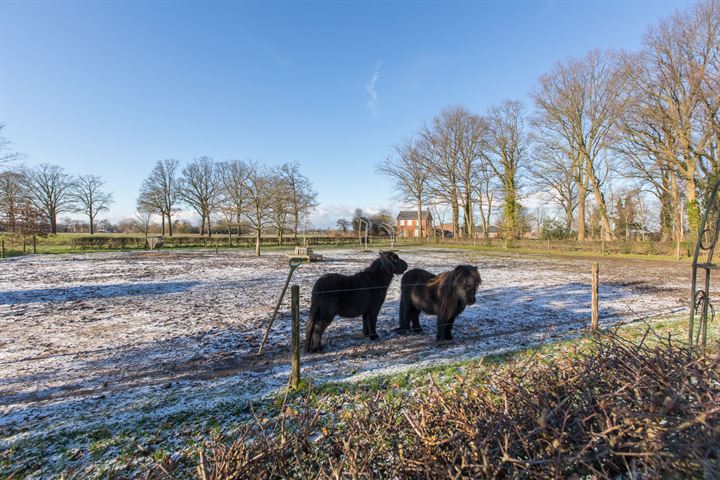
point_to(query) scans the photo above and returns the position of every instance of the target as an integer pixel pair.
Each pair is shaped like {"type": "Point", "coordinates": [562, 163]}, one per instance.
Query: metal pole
{"type": "Point", "coordinates": [34, 244]}
{"type": "Point", "coordinates": [595, 292]}
{"type": "Point", "coordinates": [293, 266]}
{"type": "Point", "coordinates": [295, 339]}
{"type": "Point", "coordinates": [706, 306]}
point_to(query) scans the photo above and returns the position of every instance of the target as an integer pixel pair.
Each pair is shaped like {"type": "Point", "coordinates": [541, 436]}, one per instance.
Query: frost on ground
{"type": "Point", "coordinates": [108, 360]}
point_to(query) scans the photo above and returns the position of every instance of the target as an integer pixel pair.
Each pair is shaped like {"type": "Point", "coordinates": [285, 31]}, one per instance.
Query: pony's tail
{"type": "Point", "coordinates": [310, 328]}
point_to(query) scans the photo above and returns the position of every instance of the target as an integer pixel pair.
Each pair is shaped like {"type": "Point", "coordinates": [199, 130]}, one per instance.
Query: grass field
{"type": "Point", "coordinates": [77, 243]}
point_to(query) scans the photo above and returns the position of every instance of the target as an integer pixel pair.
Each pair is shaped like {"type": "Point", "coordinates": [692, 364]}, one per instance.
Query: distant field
{"type": "Point", "coordinates": [80, 242]}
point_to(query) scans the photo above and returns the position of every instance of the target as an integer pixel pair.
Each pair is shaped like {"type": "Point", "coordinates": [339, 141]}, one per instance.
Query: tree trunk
{"type": "Point", "coordinates": [693, 208]}
{"type": "Point", "coordinates": [676, 213]}
{"type": "Point", "coordinates": [468, 216]}
{"type": "Point", "coordinates": [163, 224]}
{"type": "Point", "coordinates": [53, 222]}
{"type": "Point", "coordinates": [169, 218]}
{"type": "Point", "coordinates": [456, 218]}
{"type": "Point", "coordinates": [600, 200]}
{"type": "Point", "coordinates": [568, 222]}
{"type": "Point", "coordinates": [92, 225]}
{"type": "Point", "coordinates": [419, 219]}
{"type": "Point", "coordinates": [257, 241]}
{"type": "Point", "coordinates": [582, 199]}
{"type": "Point", "coordinates": [510, 212]}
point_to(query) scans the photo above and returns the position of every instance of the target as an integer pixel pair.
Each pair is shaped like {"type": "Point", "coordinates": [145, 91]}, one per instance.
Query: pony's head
{"type": "Point", "coordinates": [393, 263]}
{"type": "Point", "coordinates": [462, 281]}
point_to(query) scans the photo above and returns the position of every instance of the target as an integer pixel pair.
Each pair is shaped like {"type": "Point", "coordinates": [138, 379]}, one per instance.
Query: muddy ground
{"type": "Point", "coordinates": [120, 339]}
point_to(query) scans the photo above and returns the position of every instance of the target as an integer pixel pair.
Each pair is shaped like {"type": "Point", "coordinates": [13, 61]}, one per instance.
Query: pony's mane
{"type": "Point", "coordinates": [375, 266]}
{"type": "Point", "coordinates": [439, 278]}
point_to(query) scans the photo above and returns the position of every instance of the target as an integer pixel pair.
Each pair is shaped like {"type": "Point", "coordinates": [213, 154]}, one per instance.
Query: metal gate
{"type": "Point", "coordinates": [703, 265]}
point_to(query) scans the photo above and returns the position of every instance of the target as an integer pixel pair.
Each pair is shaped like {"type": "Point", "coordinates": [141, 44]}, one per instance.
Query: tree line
{"type": "Point", "coordinates": [233, 193]}
{"type": "Point", "coordinates": [31, 198]}
{"type": "Point", "coordinates": [611, 136]}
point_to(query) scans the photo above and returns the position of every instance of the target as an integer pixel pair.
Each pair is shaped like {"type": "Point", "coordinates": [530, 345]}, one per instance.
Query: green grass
{"type": "Point", "coordinates": [63, 243]}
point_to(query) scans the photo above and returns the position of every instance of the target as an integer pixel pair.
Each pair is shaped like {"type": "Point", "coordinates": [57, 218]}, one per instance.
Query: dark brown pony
{"type": "Point", "coordinates": [445, 295]}
{"type": "Point", "coordinates": [349, 296]}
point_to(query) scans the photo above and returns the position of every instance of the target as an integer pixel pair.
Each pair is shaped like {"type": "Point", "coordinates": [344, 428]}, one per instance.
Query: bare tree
{"type": "Point", "coordinates": [89, 197]}
{"type": "Point", "coordinates": [453, 143]}
{"type": "Point", "coordinates": [234, 178]}
{"type": "Point", "coordinates": [410, 176]}
{"type": "Point", "coordinates": [18, 215]}
{"type": "Point", "coordinates": [283, 201]}
{"type": "Point", "coordinates": [142, 220]}
{"type": "Point", "coordinates": [51, 191]}
{"type": "Point", "coordinates": [258, 207]}
{"type": "Point", "coordinates": [13, 195]}
{"type": "Point", "coordinates": [302, 197]}
{"type": "Point", "coordinates": [505, 148]}
{"type": "Point", "coordinates": [159, 191]}
{"type": "Point", "coordinates": [486, 192]}
{"type": "Point", "coordinates": [201, 188]}
{"type": "Point", "coordinates": [7, 154]}
{"type": "Point", "coordinates": [554, 177]}
{"type": "Point", "coordinates": [579, 103]}
{"type": "Point", "coordinates": [676, 85]}
{"type": "Point", "coordinates": [343, 224]}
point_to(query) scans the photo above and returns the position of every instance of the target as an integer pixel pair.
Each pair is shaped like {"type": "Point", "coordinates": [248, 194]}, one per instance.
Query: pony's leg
{"type": "Point", "coordinates": [405, 314]}
{"type": "Point", "coordinates": [310, 328]}
{"type": "Point", "coordinates": [372, 322]}
{"type": "Point", "coordinates": [320, 325]}
{"type": "Point", "coordinates": [448, 329]}
{"type": "Point", "coordinates": [403, 326]}
{"type": "Point", "coordinates": [441, 325]}
{"type": "Point", "coordinates": [415, 318]}
{"type": "Point", "coordinates": [366, 325]}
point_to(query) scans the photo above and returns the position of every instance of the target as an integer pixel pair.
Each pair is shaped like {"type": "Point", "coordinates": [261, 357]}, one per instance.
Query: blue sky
{"type": "Point", "coordinates": [108, 88]}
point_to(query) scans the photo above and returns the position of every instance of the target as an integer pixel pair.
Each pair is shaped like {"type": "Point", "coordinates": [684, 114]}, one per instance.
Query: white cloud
{"type": "Point", "coordinates": [371, 87]}
{"type": "Point", "coordinates": [326, 216]}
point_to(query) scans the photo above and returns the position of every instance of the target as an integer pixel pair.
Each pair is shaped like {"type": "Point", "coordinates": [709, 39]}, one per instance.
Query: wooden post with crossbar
{"type": "Point", "coordinates": [595, 292]}
{"type": "Point", "coordinates": [295, 338]}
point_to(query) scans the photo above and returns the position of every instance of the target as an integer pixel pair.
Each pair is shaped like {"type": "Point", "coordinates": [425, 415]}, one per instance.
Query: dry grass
{"type": "Point", "coordinates": [622, 408]}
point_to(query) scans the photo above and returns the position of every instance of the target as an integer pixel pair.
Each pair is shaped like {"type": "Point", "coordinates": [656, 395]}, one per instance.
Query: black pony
{"type": "Point", "coordinates": [361, 294]}
{"type": "Point", "coordinates": [444, 295]}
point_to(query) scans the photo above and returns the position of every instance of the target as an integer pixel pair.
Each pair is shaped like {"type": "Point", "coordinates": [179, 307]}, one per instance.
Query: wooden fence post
{"type": "Point", "coordinates": [2, 250]}
{"type": "Point", "coordinates": [595, 291]}
{"type": "Point", "coordinates": [295, 340]}
{"type": "Point", "coordinates": [34, 244]}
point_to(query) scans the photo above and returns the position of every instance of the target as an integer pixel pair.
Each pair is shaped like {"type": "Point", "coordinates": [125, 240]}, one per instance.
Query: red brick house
{"type": "Point", "coordinates": [407, 224]}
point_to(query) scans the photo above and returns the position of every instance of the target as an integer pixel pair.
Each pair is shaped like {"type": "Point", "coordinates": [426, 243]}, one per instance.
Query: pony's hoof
{"type": "Point", "coordinates": [402, 331]}
{"type": "Point", "coordinates": [317, 349]}
{"type": "Point", "coordinates": [374, 336]}
{"type": "Point", "coordinates": [444, 342]}
{"type": "Point", "coordinates": [417, 331]}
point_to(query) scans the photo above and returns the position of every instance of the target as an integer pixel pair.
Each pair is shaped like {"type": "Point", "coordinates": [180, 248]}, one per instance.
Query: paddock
{"type": "Point", "coordinates": [125, 339]}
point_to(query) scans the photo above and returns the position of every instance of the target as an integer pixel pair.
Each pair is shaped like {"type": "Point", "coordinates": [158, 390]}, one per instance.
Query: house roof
{"type": "Point", "coordinates": [411, 215]}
